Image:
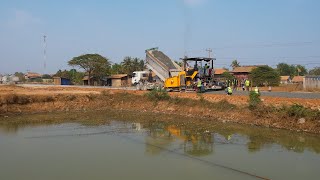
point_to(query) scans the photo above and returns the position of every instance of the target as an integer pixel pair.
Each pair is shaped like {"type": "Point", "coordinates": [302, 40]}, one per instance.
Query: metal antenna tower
{"type": "Point", "coordinates": [209, 50]}
{"type": "Point", "coordinates": [44, 52]}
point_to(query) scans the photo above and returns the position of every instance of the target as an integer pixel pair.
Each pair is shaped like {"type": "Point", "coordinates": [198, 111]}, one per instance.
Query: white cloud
{"type": "Point", "coordinates": [20, 18]}
{"type": "Point", "coordinates": [193, 2]}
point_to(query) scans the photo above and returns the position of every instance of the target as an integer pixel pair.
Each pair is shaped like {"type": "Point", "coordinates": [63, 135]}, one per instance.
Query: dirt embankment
{"type": "Point", "coordinates": [15, 100]}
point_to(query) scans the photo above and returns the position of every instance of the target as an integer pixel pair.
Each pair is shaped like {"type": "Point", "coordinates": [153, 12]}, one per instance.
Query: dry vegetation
{"type": "Point", "coordinates": [274, 112]}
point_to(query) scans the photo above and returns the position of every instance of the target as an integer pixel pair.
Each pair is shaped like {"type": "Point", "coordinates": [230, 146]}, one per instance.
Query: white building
{"type": "Point", "coordinates": [9, 79]}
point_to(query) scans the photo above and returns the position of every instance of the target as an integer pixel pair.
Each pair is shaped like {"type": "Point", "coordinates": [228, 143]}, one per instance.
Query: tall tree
{"type": "Point", "coordinates": [301, 70]}
{"type": "Point", "coordinates": [130, 65]}
{"type": "Point", "coordinates": [72, 74]}
{"type": "Point", "coordinates": [285, 69]}
{"type": "Point", "coordinates": [315, 71]}
{"type": "Point", "coordinates": [116, 69]}
{"type": "Point", "coordinates": [93, 64]}
{"type": "Point", "coordinates": [235, 64]}
{"type": "Point", "coordinates": [21, 76]}
{"type": "Point", "coordinates": [265, 75]}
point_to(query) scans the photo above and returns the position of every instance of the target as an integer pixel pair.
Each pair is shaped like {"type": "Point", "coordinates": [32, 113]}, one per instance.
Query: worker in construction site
{"type": "Point", "coordinates": [256, 90]}
{"type": "Point", "coordinates": [235, 84]}
{"type": "Point", "coordinates": [206, 69]}
{"type": "Point", "coordinates": [199, 85]}
{"type": "Point", "coordinates": [247, 84]}
{"type": "Point", "coordinates": [229, 91]}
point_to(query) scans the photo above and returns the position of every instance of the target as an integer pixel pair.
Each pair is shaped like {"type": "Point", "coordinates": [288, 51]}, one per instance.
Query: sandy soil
{"type": "Point", "coordinates": [235, 99]}
{"type": "Point", "coordinates": [51, 99]}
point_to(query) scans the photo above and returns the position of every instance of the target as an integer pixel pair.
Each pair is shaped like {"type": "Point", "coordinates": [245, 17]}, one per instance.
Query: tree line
{"type": "Point", "coordinates": [266, 75]}
{"type": "Point", "coordinates": [97, 66]}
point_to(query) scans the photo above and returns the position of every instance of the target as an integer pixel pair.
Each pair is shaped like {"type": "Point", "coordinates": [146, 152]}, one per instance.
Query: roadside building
{"type": "Point", "coordinates": [311, 82]}
{"type": "Point", "coordinates": [32, 75]}
{"type": "Point", "coordinates": [218, 75]}
{"type": "Point", "coordinates": [297, 79]}
{"type": "Point", "coordinates": [242, 72]}
{"type": "Point", "coordinates": [285, 80]}
{"type": "Point", "coordinates": [120, 80]}
{"type": "Point", "coordinates": [9, 79]}
{"type": "Point", "coordinates": [94, 81]}
{"type": "Point", "coordinates": [61, 81]}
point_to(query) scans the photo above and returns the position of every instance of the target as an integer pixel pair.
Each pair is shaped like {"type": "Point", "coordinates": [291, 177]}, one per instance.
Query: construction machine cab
{"type": "Point", "coordinates": [202, 68]}
{"type": "Point", "coordinates": [198, 67]}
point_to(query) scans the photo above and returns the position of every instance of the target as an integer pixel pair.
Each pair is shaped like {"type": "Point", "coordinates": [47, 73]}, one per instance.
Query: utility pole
{"type": "Point", "coordinates": [44, 52]}
{"type": "Point", "coordinates": [209, 50]}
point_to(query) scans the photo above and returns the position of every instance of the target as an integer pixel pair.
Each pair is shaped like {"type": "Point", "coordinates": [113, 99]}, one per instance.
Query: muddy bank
{"type": "Point", "coordinates": [194, 106]}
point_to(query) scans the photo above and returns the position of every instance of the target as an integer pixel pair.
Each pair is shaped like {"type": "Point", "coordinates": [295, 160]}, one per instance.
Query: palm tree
{"type": "Point", "coordinates": [235, 64]}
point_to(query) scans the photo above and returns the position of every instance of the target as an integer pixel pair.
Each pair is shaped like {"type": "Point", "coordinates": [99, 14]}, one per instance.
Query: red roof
{"type": "Point", "coordinates": [285, 78]}
{"type": "Point", "coordinates": [118, 76]}
{"type": "Point", "coordinates": [298, 79]}
{"type": "Point", "coordinates": [219, 71]}
{"type": "Point", "coordinates": [33, 75]}
{"type": "Point", "coordinates": [245, 69]}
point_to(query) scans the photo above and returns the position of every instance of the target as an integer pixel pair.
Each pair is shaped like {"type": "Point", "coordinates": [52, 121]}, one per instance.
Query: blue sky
{"type": "Point", "coordinates": [252, 31]}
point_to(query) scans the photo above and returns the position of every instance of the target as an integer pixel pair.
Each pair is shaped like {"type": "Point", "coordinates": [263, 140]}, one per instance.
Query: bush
{"type": "Point", "coordinates": [224, 105]}
{"type": "Point", "coordinates": [254, 100]}
{"type": "Point", "coordinates": [70, 97]}
{"type": "Point", "coordinates": [105, 93]}
{"type": "Point", "coordinates": [91, 96]}
{"type": "Point", "coordinates": [297, 111]}
{"type": "Point", "coordinates": [158, 95]}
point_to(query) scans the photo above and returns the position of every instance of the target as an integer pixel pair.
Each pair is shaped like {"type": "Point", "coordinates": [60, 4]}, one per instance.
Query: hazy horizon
{"type": "Point", "coordinates": [253, 32]}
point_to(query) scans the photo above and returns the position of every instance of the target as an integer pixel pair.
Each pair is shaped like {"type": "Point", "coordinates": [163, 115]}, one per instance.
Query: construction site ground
{"type": "Point", "coordinates": [308, 99]}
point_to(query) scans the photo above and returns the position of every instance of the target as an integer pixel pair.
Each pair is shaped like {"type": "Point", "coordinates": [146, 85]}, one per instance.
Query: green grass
{"type": "Point", "coordinates": [254, 100]}
{"type": "Point", "coordinates": [158, 95]}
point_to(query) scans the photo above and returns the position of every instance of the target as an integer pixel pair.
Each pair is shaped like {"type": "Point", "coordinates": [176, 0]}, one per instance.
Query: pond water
{"type": "Point", "coordinates": [65, 147]}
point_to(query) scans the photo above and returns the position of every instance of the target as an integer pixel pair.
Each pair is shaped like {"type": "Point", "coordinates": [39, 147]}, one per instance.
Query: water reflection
{"type": "Point", "coordinates": [199, 142]}
{"type": "Point", "coordinates": [194, 138]}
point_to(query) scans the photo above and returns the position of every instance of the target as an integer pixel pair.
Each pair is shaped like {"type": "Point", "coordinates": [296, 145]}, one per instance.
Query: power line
{"type": "Point", "coordinates": [280, 57]}
{"type": "Point", "coordinates": [269, 45]}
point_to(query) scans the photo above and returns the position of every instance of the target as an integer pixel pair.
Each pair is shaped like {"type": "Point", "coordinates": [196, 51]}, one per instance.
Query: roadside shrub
{"type": "Point", "coordinates": [23, 99]}
{"type": "Point", "coordinates": [184, 101]}
{"type": "Point", "coordinates": [70, 97]}
{"type": "Point", "coordinates": [175, 100]}
{"type": "Point", "coordinates": [254, 100]}
{"type": "Point", "coordinates": [223, 105]}
{"type": "Point", "coordinates": [158, 95]}
{"type": "Point", "coordinates": [16, 99]}
{"type": "Point", "coordinates": [44, 98]}
{"type": "Point", "coordinates": [105, 93]}
{"type": "Point", "coordinates": [10, 99]}
{"type": "Point", "coordinates": [91, 96]}
{"type": "Point", "coordinates": [297, 111]}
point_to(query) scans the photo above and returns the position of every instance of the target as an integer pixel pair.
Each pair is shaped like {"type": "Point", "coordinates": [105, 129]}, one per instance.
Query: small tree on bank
{"type": "Point", "coordinates": [265, 75]}
{"type": "Point", "coordinates": [93, 64]}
